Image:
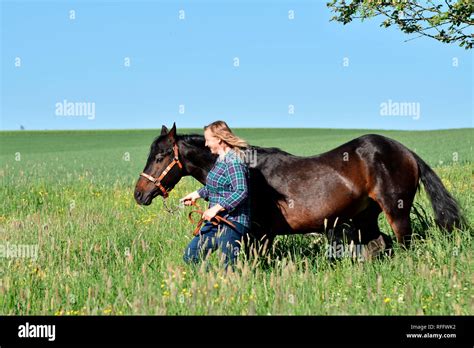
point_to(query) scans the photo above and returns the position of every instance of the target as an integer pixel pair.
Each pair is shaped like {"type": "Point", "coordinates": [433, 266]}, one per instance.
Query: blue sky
{"type": "Point", "coordinates": [284, 65]}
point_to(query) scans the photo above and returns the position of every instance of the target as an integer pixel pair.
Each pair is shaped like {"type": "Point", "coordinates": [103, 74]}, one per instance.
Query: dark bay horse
{"type": "Point", "coordinates": [290, 194]}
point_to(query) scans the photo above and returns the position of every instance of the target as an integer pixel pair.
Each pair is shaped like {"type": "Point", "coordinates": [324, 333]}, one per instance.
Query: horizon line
{"type": "Point", "coordinates": [159, 128]}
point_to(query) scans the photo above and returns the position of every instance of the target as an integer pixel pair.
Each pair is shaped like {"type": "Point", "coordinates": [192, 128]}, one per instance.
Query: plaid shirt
{"type": "Point", "coordinates": [227, 184]}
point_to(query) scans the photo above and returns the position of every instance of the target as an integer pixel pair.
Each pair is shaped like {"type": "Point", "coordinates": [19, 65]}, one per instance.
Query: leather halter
{"type": "Point", "coordinates": [157, 181]}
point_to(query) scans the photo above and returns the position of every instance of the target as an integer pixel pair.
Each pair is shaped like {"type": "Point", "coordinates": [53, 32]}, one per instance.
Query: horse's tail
{"type": "Point", "coordinates": [446, 209]}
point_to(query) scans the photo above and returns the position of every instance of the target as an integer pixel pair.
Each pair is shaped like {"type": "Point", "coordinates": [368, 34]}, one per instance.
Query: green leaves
{"type": "Point", "coordinates": [449, 22]}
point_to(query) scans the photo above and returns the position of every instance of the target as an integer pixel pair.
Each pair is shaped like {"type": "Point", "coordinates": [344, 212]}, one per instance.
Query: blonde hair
{"type": "Point", "coordinates": [221, 130]}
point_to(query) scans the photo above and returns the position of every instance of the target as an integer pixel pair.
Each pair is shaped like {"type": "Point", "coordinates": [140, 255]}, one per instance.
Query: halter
{"type": "Point", "coordinates": [157, 181]}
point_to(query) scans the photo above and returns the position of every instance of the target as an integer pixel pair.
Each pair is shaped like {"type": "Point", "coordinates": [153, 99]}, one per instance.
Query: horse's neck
{"type": "Point", "coordinates": [198, 160]}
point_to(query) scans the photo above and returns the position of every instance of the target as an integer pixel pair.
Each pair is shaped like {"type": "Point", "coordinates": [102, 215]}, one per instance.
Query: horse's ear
{"type": "Point", "coordinates": [164, 130]}
{"type": "Point", "coordinates": [172, 132]}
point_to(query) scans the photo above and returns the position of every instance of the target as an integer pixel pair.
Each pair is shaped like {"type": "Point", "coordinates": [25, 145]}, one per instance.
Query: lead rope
{"type": "Point", "coordinates": [218, 219]}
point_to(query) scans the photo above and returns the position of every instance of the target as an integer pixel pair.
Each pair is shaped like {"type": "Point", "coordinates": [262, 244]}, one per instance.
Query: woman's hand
{"type": "Point", "coordinates": [211, 212]}
{"type": "Point", "coordinates": [190, 198]}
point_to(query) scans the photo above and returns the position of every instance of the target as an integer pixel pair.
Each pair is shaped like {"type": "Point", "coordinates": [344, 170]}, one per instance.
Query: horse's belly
{"type": "Point", "coordinates": [319, 214]}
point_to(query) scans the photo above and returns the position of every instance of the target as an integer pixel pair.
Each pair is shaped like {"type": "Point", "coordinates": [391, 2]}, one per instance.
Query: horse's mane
{"type": "Point", "coordinates": [192, 139]}
{"type": "Point", "coordinates": [198, 141]}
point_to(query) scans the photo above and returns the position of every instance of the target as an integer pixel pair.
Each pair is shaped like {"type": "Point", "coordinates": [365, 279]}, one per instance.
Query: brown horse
{"type": "Point", "coordinates": [351, 184]}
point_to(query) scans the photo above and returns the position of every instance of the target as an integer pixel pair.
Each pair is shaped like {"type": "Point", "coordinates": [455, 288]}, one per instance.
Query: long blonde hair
{"type": "Point", "coordinates": [221, 130]}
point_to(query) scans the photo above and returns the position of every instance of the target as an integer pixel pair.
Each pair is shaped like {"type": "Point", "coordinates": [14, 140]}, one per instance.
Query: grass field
{"type": "Point", "coordinates": [71, 194]}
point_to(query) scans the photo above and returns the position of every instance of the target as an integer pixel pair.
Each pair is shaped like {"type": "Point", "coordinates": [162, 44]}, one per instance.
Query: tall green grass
{"type": "Point", "coordinates": [71, 193]}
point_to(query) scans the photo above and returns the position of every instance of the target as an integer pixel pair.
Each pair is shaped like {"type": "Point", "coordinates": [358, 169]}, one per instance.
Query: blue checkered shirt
{"type": "Point", "coordinates": [227, 184]}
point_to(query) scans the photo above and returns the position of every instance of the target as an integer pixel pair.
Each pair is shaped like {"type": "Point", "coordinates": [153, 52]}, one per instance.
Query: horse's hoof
{"type": "Point", "coordinates": [374, 248]}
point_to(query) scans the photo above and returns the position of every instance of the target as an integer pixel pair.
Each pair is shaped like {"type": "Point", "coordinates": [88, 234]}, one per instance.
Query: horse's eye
{"type": "Point", "coordinates": [159, 158]}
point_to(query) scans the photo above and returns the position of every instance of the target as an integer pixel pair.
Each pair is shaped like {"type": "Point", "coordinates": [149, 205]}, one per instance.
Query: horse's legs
{"type": "Point", "coordinates": [368, 233]}
{"type": "Point", "coordinates": [397, 210]}
{"type": "Point", "coordinates": [401, 225]}
{"type": "Point", "coordinates": [366, 223]}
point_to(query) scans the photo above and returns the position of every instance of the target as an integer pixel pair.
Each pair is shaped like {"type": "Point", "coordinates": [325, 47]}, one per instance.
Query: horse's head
{"type": "Point", "coordinates": [163, 168]}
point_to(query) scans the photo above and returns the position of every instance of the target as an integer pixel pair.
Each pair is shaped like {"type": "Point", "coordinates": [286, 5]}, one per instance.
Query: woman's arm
{"type": "Point", "coordinates": [190, 198]}
{"type": "Point", "coordinates": [238, 177]}
{"type": "Point", "coordinates": [203, 192]}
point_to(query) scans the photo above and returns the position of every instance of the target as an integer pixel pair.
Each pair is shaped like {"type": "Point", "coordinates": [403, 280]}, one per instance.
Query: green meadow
{"type": "Point", "coordinates": [70, 194]}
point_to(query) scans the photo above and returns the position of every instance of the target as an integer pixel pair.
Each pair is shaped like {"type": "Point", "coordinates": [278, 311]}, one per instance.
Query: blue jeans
{"type": "Point", "coordinates": [212, 237]}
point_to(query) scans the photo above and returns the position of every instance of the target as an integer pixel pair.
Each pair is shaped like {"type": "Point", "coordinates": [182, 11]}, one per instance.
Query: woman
{"type": "Point", "coordinates": [227, 191]}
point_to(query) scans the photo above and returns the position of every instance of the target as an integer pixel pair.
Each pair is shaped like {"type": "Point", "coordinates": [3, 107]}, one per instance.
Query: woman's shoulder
{"type": "Point", "coordinates": [234, 157]}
